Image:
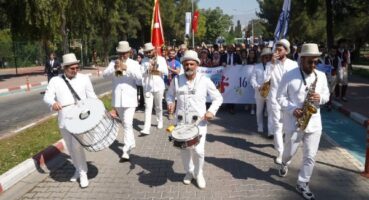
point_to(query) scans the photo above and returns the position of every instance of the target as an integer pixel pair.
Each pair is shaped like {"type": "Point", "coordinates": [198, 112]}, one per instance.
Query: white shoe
{"type": "Point", "coordinates": [83, 180]}
{"type": "Point", "coordinates": [125, 156]}
{"type": "Point", "coordinates": [145, 131]}
{"type": "Point", "coordinates": [188, 178]}
{"type": "Point", "coordinates": [201, 181]}
{"type": "Point", "coordinates": [160, 124]}
{"type": "Point", "coordinates": [74, 177]}
{"type": "Point", "coordinates": [278, 160]}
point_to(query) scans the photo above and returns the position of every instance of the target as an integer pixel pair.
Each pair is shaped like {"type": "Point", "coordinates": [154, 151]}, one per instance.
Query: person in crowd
{"type": "Point", "coordinates": [260, 77]}
{"type": "Point", "coordinates": [125, 74]}
{"type": "Point", "coordinates": [205, 61]}
{"type": "Point", "coordinates": [60, 98]}
{"type": "Point", "coordinates": [300, 90]}
{"type": "Point", "coordinates": [154, 68]}
{"type": "Point", "coordinates": [280, 65]}
{"type": "Point", "coordinates": [190, 90]}
{"type": "Point", "coordinates": [230, 59]}
{"type": "Point", "coordinates": [52, 67]}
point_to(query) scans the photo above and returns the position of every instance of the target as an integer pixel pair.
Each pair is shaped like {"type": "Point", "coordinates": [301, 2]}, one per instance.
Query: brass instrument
{"type": "Point", "coordinates": [120, 67]}
{"type": "Point", "coordinates": [153, 68]}
{"type": "Point", "coordinates": [264, 89]}
{"type": "Point", "coordinates": [308, 108]}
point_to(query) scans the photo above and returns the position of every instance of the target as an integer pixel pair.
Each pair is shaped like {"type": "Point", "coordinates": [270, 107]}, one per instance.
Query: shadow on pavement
{"type": "Point", "coordinates": [239, 143]}
{"type": "Point", "coordinates": [155, 171]}
{"type": "Point", "coordinates": [117, 148]}
{"type": "Point", "coordinates": [66, 172]}
{"type": "Point", "coordinates": [242, 170]}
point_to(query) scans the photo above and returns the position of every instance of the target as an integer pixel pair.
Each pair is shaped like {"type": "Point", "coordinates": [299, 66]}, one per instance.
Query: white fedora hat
{"type": "Point", "coordinates": [123, 46]}
{"type": "Point", "coordinates": [69, 59]}
{"type": "Point", "coordinates": [266, 51]}
{"type": "Point", "coordinates": [148, 47]}
{"type": "Point", "coordinates": [190, 55]}
{"type": "Point", "coordinates": [310, 49]}
{"type": "Point", "coordinates": [284, 43]}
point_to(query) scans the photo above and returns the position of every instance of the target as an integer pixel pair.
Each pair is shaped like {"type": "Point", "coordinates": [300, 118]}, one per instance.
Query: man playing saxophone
{"type": "Point", "coordinates": [300, 93]}
{"type": "Point", "coordinates": [260, 81]}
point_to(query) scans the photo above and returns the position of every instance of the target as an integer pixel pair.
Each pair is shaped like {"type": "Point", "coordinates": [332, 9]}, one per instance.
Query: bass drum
{"type": "Point", "coordinates": [91, 124]}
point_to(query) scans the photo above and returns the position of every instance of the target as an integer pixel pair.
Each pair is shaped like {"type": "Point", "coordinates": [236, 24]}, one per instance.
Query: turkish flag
{"type": "Point", "coordinates": [195, 21]}
{"type": "Point", "coordinates": [157, 36]}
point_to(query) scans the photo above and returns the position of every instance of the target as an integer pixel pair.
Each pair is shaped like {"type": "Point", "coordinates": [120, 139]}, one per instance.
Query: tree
{"type": "Point", "coordinates": [238, 30]}
{"type": "Point", "coordinates": [217, 24]}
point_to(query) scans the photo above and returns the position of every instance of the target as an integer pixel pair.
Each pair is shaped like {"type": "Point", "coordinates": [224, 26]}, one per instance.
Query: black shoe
{"type": "Point", "coordinates": [304, 190]}
{"type": "Point", "coordinates": [344, 99]}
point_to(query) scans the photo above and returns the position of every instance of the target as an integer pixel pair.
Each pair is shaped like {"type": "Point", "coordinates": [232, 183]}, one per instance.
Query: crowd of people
{"type": "Point", "coordinates": [289, 88]}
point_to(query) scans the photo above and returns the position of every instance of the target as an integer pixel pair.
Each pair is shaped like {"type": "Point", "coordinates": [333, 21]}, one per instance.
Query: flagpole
{"type": "Point", "coordinates": [193, 31]}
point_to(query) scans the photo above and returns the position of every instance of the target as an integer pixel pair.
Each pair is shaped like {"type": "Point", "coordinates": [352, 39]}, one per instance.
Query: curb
{"type": "Point", "coordinates": [34, 86]}
{"type": "Point", "coordinates": [17, 173]}
{"type": "Point", "coordinates": [20, 171]}
{"type": "Point", "coordinates": [359, 118]}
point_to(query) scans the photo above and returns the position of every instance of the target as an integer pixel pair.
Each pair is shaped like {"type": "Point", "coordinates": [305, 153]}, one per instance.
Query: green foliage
{"type": "Point", "coordinates": [217, 24]}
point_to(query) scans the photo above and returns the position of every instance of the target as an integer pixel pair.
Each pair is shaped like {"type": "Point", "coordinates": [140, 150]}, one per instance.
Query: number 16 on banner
{"type": "Point", "coordinates": [243, 82]}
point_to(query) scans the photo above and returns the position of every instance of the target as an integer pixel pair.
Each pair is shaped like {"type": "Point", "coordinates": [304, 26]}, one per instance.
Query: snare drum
{"type": "Point", "coordinates": [92, 125]}
{"type": "Point", "coordinates": [185, 136]}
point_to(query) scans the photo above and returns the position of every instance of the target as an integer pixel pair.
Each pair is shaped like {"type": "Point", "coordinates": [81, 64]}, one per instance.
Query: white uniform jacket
{"type": "Point", "coordinates": [259, 76]}
{"type": "Point", "coordinates": [154, 83]}
{"type": "Point", "coordinates": [124, 87]}
{"type": "Point", "coordinates": [292, 93]}
{"type": "Point", "coordinates": [191, 96]}
{"type": "Point", "coordinates": [57, 90]}
{"type": "Point", "coordinates": [278, 69]}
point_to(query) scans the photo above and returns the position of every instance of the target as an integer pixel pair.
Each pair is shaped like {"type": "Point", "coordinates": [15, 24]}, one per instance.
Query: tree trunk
{"type": "Point", "coordinates": [329, 27]}
{"type": "Point", "coordinates": [64, 33]}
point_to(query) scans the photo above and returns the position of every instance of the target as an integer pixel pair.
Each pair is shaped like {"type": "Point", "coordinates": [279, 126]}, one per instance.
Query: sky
{"type": "Point", "coordinates": [243, 10]}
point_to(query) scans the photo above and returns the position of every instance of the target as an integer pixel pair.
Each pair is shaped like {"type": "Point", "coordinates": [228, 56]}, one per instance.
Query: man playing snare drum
{"type": "Point", "coordinates": [60, 98]}
{"type": "Point", "coordinates": [190, 90]}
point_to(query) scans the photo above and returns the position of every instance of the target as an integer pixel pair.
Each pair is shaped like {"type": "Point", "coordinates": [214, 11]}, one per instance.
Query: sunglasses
{"type": "Point", "coordinates": [315, 62]}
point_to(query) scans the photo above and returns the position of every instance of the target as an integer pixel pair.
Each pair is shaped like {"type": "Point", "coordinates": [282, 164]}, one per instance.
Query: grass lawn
{"type": "Point", "coordinates": [29, 142]}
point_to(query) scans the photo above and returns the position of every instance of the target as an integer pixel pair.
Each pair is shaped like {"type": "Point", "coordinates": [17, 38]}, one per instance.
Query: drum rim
{"type": "Point", "coordinates": [191, 138]}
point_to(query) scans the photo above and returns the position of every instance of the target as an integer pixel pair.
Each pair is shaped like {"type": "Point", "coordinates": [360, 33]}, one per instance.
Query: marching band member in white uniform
{"type": "Point", "coordinates": [293, 93]}
{"type": "Point", "coordinates": [258, 78]}
{"type": "Point", "coordinates": [60, 98]}
{"type": "Point", "coordinates": [190, 90]}
{"type": "Point", "coordinates": [281, 65]}
{"type": "Point", "coordinates": [126, 75]}
{"type": "Point", "coordinates": [153, 67]}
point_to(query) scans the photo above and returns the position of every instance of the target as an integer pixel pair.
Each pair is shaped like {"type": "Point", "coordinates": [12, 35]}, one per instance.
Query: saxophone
{"type": "Point", "coordinates": [264, 89]}
{"type": "Point", "coordinates": [308, 108]}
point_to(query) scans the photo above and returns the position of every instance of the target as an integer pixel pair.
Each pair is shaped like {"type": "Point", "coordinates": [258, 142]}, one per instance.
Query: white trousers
{"type": "Point", "coordinates": [311, 145]}
{"type": "Point", "coordinates": [193, 157]}
{"type": "Point", "coordinates": [260, 104]}
{"type": "Point", "coordinates": [76, 151]}
{"type": "Point", "coordinates": [126, 116]}
{"type": "Point", "coordinates": [275, 126]}
{"type": "Point", "coordinates": [155, 98]}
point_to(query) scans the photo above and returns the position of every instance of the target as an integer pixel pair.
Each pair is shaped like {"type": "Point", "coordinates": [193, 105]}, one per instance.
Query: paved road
{"type": "Point", "coordinates": [21, 109]}
{"type": "Point", "coordinates": [239, 165]}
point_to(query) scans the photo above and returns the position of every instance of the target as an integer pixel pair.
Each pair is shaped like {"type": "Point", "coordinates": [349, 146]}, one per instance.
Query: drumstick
{"type": "Point", "coordinates": [63, 106]}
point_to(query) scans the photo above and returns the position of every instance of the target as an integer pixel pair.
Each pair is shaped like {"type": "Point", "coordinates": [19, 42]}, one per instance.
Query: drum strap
{"type": "Point", "coordinates": [74, 93]}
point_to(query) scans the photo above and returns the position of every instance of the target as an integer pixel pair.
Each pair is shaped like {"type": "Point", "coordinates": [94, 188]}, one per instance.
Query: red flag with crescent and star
{"type": "Point", "coordinates": [157, 35]}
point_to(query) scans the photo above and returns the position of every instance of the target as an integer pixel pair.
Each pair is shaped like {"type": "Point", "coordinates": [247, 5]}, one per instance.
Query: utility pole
{"type": "Point", "coordinates": [193, 32]}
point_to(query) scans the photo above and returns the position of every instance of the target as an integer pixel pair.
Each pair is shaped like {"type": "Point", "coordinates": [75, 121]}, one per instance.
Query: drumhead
{"type": "Point", "coordinates": [185, 132]}
{"type": "Point", "coordinates": [84, 116]}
